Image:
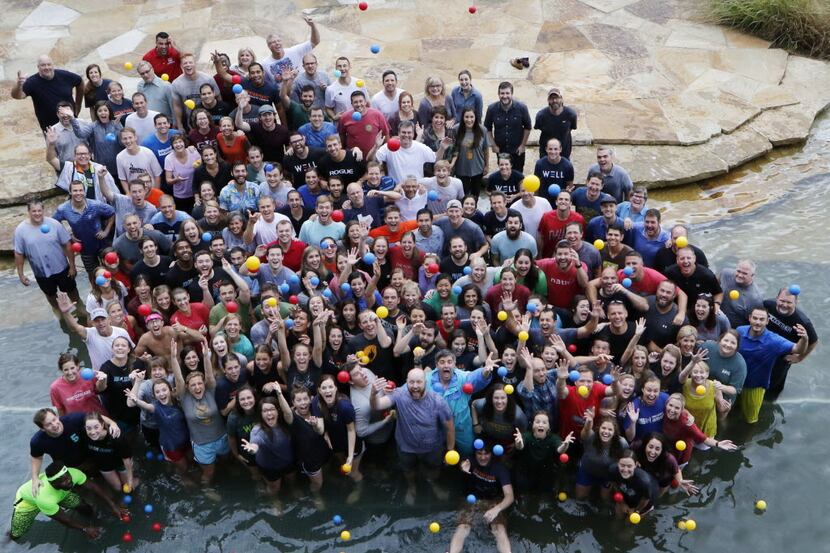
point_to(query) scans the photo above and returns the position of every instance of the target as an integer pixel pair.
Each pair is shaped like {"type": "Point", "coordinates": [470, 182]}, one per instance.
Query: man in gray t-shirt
{"type": "Point", "coordinates": [750, 295]}
{"type": "Point", "coordinates": [186, 87]}
{"type": "Point", "coordinates": [317, 79]}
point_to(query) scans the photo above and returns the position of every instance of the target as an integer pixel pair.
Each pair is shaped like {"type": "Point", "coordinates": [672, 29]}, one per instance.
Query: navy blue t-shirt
{"type": "Point", "coordinates": [68, 447]}
{"type": "Point", "coordinates": [46, 94]}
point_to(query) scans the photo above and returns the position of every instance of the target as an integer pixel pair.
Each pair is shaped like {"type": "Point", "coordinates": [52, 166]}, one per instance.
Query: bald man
{"type": "Point", "coordinates": [47, 88]}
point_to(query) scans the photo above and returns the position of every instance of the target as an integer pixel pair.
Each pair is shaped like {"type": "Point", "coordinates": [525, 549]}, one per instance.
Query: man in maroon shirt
{"type": "Point", "coordinates": [553, 224]}
{"type": "Point", "coordinates": [164, 57]}
{"type": "Point", "coordinates": [567, 275]}
{"type": "Point", "coordinates": [361, 126]}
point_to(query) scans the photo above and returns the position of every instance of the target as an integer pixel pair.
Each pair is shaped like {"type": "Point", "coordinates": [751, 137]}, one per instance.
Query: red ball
{"type": "Point", "coordinates": [618, 497]}
{"type": "Point", "coordinates": [363, 6]}
{"type": "Point", "coordinates": [563, 458]}
{"type": "Point", "coordinates": [293, 299]}
{"type": "Point", "coordinates": [144, 309]}
{"type": "Point", "coordinates": [156, 527]}
{"type": "Point", "coordinates": [111, 258]}
{"type": "Point", "coordinates": [572, 348]}
{"type": "Point", "coordinates": [472, 9]}
{"type": "Point", "coordinates": [76, 247]}
{"type": "Point", "coordinates": [232, 307]}
{"type": "Point", "coordinates": [675, 483]}
{"type": "Point", "coordinates": [390, 385]}
{"type": "Point", "coordinates": [467, 388]}
{"type": "Point", "coordinates": [433, 268]}
{"type": "Point", "coordinates": [337, 215]}
{"type": "Point", "coordinates": [236, 79]}
{"type": "Point", "coordinates": [126, 518]}
{"type": "Point", "coordinates": [394, 144]}
{"type": "Point", "coordinates": [343, 377]}
{"type": "Point", "coordinates": [127, 537]}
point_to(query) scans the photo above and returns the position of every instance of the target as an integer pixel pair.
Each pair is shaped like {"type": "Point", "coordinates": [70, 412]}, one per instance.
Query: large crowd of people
{"type": "Point", "coordinates": [287, 272]}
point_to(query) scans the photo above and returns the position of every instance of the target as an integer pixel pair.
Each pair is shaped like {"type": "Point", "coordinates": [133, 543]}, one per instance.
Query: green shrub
{"type": "Point", "coordinates": [801, 26]}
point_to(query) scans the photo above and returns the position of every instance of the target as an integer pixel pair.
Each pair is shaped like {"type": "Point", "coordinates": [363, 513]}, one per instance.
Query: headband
{"type": "Point", "coordinates": [60, 473]}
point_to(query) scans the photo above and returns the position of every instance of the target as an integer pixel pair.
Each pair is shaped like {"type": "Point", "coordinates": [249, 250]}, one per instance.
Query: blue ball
{"type": "Point", "coordinates": [432, 195]}
{"type": "Point", "coordinates": [128, 499]}
{"type": "Point", "coordinates": [338, 73]}
{"type": "Point", "coordinates": [314, 281]}
{"type": "Point", "coordinates": [471, 499]}
{"type": "Point", "coordinates": [467, 270]}
{"type": "Point", "coordinates": [337, 519]}
{"type": "Point", "coordinates": [478, 443]}
{"type": "Point", "coordinates": [531, 308]}
{"type": "Point", "coordinates": [237, 88]}
{"type": "Point", "coordinates": [375, 49]}
{"type": "Point", "coordinates": [87, 373]}
{"type": "Point", "coordinates": [148, 508]}
{"type": "Point", "coordinates": [268, 167]}
{"type": "Point", "coordinates": [294, 279]}
{"type": "Point", "coordinates": [284, 288]}
{"type": "Point", "coordinates": [100, 280]}
{"type": "Point", "coordinates": [327, 293]}
{"type": "Point", "coordinates": [628, 271]}
{"type": "Point", "coordinates": [498, 450]}
{"type": "Point", "coordinates": [795, 289]}
{"type": "Point", "coordinates": [356, 116]}
{"type": "Point", "coordinates": [626, 282]}
{"type": "Point", "coordinates": [607, 379]}
{"type": "Point", "coordinates": [574, 375]}
{"type": "Point", "coordinates": [160, 457]}
{"type": "Point", "coordinates": [345, 287]}
{"type": "Point", "coordinates": [554, 190]}
{"type": "Point", "coordinates": [369, 258]}
{"type": "Point", "coordinates": [289, 323]}
{"type": "Point", "coordinates": [456, 290]}
{"type": "Point", "coordinates": [150, 456]}
{"type": "Point", "coordinates": [207, 237]}
{"type": "Point", "coordinates": [45, 228]}
{"type": "Point", "coordinates": [110, 137]}
{"type": "Point", "coordinates": [437, 388]}
{"type": "Point", "coordinates": [502, 372]}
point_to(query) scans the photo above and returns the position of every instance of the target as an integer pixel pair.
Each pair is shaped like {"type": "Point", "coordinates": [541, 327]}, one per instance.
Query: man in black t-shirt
{"type": "Point", "coordinates": [46, 89]}
{"type": "Point", "coordinates": [784, 314]}
{"type": "Point", "coordinates": [495, 220]}
{"type": "Point", "coordinates": [301, 159]}
{"type": "Point", "coordinates": [340, 162]}
{"type": "Point", "coordinates": [269, 135]}
{"type": "Point", "coordinates": [505, 180]}
{"type": "Point", "coordinates": [183, 273]}
{"type": "Point", "coordinates": [692, 278]}
{"type": "Point", "coordinates": [660, 316]}
{"type": "Point", "coordinates": [376, 344]}
{"type": "Point", "coordinates": [58, 437]}
{"type": "Point", "coordinates": [619, 331]}
{"type": "Point", "coordinates": [556, 121]}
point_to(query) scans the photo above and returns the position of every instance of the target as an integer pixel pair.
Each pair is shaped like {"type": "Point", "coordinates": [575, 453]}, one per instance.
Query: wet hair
{"type": "Point", "coordinates": [66, 357]}
{"type": "Point", "coordinates": [489, 410]}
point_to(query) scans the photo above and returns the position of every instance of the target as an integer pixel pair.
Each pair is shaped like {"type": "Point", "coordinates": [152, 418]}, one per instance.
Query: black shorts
{"type": "Point", "coordinates": [272, 475]}
{"type": "Point", "coordinates": [50, 285]}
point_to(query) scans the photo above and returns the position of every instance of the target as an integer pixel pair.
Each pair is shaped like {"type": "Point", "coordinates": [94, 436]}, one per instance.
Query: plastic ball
{"type": "Point", "coordinates": [626, 282]}
{"type": "Point", "coordinates": [127, 537]}
{"type": "Point", "coordinates": [471, 499]}
{"type": "Point", "coordinates": [110, 136]}
{"type": "Point", "coordinates": [418, 351]}
{"type": "Point", "coordinates": [467, 388]}
{"type": "Point", "coordinates": [382, 312]}
{"type": "Point", "coordinates": [111, 258]}
{"type": "Point", "coordinates": [44, 228]}
{"type": "Point", "coordinates": [337, 215]}
{"type": "Point", "coordinates": [524, 336]}
{"type": "Point", "coordinates": [128, 499]}
{"type": "Point", "coordinates": [554, 190]}
{"type": "Point", "coordinates": [126, 519]}
{"type": "Point", "coordinates": [682, 524]}
{"type": "Point", "coordinates": [356, 116]}
{"type": "Point", "coordinates": [314, 281]}
{"type": "Point", "coordinates": [472, 9]}
{"type": "Point", "coordinates": [144, 309]}
{"type": "Point", "coordinates": [452, 457]}
{"type": "Point", "coordinates": [359, 83]}
{"type": "Point", "coordinates": [691, 525]}
{"type": "Point", "coordinates": [502, 372]}
{"type": "Point", "coordinates": [128, 66]}
{"type": "Point", "coordinates": [160, 457]}
{"type": "Point", "coordinates": [125, 488]}
{"type": "Point", "coordinates": [618, 497]}
{"type": "Point", "coordinates": [363, 6]}
{"type": "Point", "coordinates": [337, 73]}
{"type": "Point", "coordinates": [369, 258]}
{"type": "Point", "coordinates": [531, 183]}
{"type": "Point", "coordinates": [253, 264]}
{"type": "Point", "coordinates": [572, 348]}
{"type": "Point", "coordinates": [502, 315]}
{"type": "Point", "coordinates": [478, 443]}
{"type": "Point", "coordinates": [327, 294]}
{"type": "Point", "coordinates": [599, 244]}
{"type": "Point", "coordinates": [680, 445]}
{"type": "Point", "coordinates": [106, 274]}
{"type": "Point", "coordinates": [289, 323]}
{"type": "Point", "coordinates": [156, 527]}
{"type": "Point", "coordinates": [467, 270]}
{"type": "Point", "coordinates": [148, 508]}
{"type": "Point", "coordinates": [87, 373]}
{"type": "Point", "coordinates": [532, 307]}
{"type": "Point", "coordinates": [375, 49]}
{"type": "Point", "coordinates": [390, 386]}
{"type": "Point", "coordinates": [294, 279]}
{"type": "Point", "coordinates": [271, 302]}
{"type": "Point", "coordinates": [284, 288]}
{"type": "Point", "coordinates": [77, 247]}
{"type": "Point", "coordinates": [197, 163]}
{"type": "Point", "coordinates": [434, 527]}
{"type": "Point", "coordinates": [206, 237]}
{"type": "Point", "coordinates": [734, 294]}
{"type": "Point", "coordinates": [628, 271]}
{"type": "Point", "coordinates": [343, 377]}
{"type": "Point", "coordinates": [337, 519]}
{"type": "Point", "coordinates": [761, 505]}
{"type": "Point", "coordinates": [562, 496]}
{"type": "Point", "coordinates": [232, 307]}
{"type": "Point", "coordinates": [583, 391]}
{"type": "Point", "coordinates": [165, 77]}
{"type": "Point", "coordinates": [573, 375]}
{"type": "Point", "coordinates": [681, 241]}
{"type": "Point", "coordinates": [563, 458]}
{"type": "Point", "coordinates": [394, 144]}
{"type": "Point", "coordinates": [498, 450]}
{"type": "Point", "coordinates": [293, 300]}
{"type": "Point", "coordinates": [236, 79]}
{"type": "Point", "coordinates": [795, 289]}
{"type": "Point", "coordinates": [190, 104]}
{"type": "Point", "coordinates": [700, 390]}
{"type": "Point", "coordinates": [433, 268]}
{"type": "Point", "coordinates": [607, 379]}
{"type": "Point", "coordinates": [345, 535]}
{"type": "Point", "coordinates": [634, 518]}
{"type": "Point", "coordinates": [237, 89]}
{"type": "Point", "coordinates": [345, 468]}
{"type": "Point", "coordinates": [150, 455]}
{"type": "Point", "coordinates": [432, 195]}
{"type": "Point", "coordinates": [346, 287]}
{"type": "Point", "coordinates": [508, 389]}
{"type": "Point", "coordinates": [100, 280]}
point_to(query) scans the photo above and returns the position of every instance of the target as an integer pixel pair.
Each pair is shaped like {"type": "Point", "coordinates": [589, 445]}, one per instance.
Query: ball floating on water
{"type": "Point", "coordinates": [531, 183]}
{"type": "Point", "coordinates": [508, 389]}
{"type": "Point", "coordinates": [761, 505]}
{"type": "Point", "coordinates": [375, 49]}
{"type": "Point", "coordinates": [434, 527]}
{"type": "Point", "coordinates": [795, 289]}
{"type": "Point", "coordinates": [502, 372]}
{"type": "Point", "coordinates": [236, 79]}
{"type": "Point", "coordinates": [554, 190]}
{"type": "Point", "coordinates": [343, 377]}
{"type": "Point", "coordinates": [583, 391]}
{"type": "Point", "coordinates": [682, 241]}
{"type": "Point", "coordinates": [77, 247]}
{"type": "Point", "coordinates": [156, 527]}
{"type": "Point", "coordinates": [359, 83]}
{"type": "Point", "coordinates": [467, 388]}
{"type": "Point", "coordinates": [165, 77]}
{"type": "Point", "coordinates": [100, 280]}
{"type": "Point", "coordinates": [190, 104]}
{"type": "Point", "coordinates": [700, 390]}
{"type": "Point", "coordinates": [337, 73]}
{"type": "Point", "coordinates": [498, 450]}
{"type": "Point", "coordinates": [345, 468]}
{"type": "Point", "coordinates": [452, 457]}
{"type": "Point", "coordinates": [524, 336]}
{"type": "Point", "coordinates": [626, 282]}
{"type": "Point", "coordinates": [149, 455]}
{"type": "Point", "coordinates": [734, 294]}
{"type": "Point", "coordinates": [574, 375]}
{"type": "Point", "coordinates": [502, 315]}
{"type": "Point", "coordinates": [206, 237]}
{"type": "Point", "coordinates": [345, 535]}
{"type": "Point", "coordinates": [467, 270]}
{"type": "Point", "coordinates": [607, 379]}
{"type": "Point", "coordinates": [682, 524]}
{"type": "Point", "coordinates": [363, 6]}
{"type": "Point", "coordinates": [160, 457]}
{"type": "Point", "coordinates": [128, 499]}
{"type": "Point", "coordinates": [472, 9]}
{"type": "Point", "coordinates": [232, 307]}
{"type": "Point", "coordinates": [478, 444]}
{"type": "Point", "coordinates": [562, 496]}
{"type": "Point", "coordinates": [563, 458]}
{"type": "Point", "coordinates": [271, 302]}
{"type": "Point", "coordinates": [369, 258]}
{"type": "Point", "coordinates": [618, 497]}
{"type": "Point", "coordinates": [680, 445]}
{"type": "Point", "coordinates": [127, 537]}
{"type": "Point", "coordinates": [691, 525]}
{"type": "Point", "coordinates": [89, 374]}
{"type": "Point", "coordinates": [356, 116]}
{"type": "Point", "coordinates": [237, 89]}
{"type": "Point", "coordinates": [44, 228]}
{"type": "Point", "coordinates": [394, 144]}
{"type": "Point", "coordinates": [337, 519]}
{"type": "Point", "coordinates": [148, 508]}
{"type": "Point", "coordinates": [253, 264]}
{"type": "Point", "coordinates": [634, 518]}
{"type": "Point", "coordinates": [628, 271]}
{"type": "Point", "coordinates": [382, 312]}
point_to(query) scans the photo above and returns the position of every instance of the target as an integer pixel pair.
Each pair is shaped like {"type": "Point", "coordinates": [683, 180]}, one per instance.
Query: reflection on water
{"type": "Point", "coordinates": [780, 460]}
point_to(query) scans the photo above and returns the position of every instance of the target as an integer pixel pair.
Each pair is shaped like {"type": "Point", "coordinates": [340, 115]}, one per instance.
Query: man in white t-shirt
{"type": "Point", "coordinates": [442, 187]}
{"type": "Point", "coordinates": [532, 208]}
{"type": "Point", "coordinates": [409, 159]}
{"type": "Point", "coordinates": [282, 59]}
{"type": "Point", "coordinates": [262, 226]}
{"type": "Point", "coordinates": [142, 119]}
{"type": "Point", "coordinates": [98, 337]}
{"type": "Point", "coordinates": [339, 93]}
{"type": "Point", "coordinates": [386, 101]}
{"type": "Point", "coordinates": [135, 160]}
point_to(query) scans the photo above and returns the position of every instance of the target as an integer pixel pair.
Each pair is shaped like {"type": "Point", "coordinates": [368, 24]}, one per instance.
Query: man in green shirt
{"type": "Point", "coordinates": [298, 113]}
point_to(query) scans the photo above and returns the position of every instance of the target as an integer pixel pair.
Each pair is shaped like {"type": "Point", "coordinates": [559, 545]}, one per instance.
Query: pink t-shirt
{"type": "Point", "coordinates": [199, 316]}
{"type": "Point", "coordinates": [75, 397]}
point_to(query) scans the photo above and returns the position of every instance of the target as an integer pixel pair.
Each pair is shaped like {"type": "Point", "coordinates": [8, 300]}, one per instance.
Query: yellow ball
{"type": "Point", "coordinates": [734, 294]}
{"type": "Point", "coordinates": [531, 183]}
{"type": "Point", "coordinates": [363, 359]}
{"type": "Point", "coordinates": [359, 83]}
{"type": "Point", "coordinates": [197, 163]}
{"type": "Point", "coordinates": [125, 488]}
{"type": "Point", "coordinates": [345, 535]}
{"type": "Point", "coordinates": [382, 312]}
{"type": "Point", "coordinates": [599, 244]}
{"type": "Point", "coordinates": [634, 518]}
{"type": "Point", "coordinates": [682, 241]}
{"type": "Point", "coordinates": [691, 525]}
{"type": "Point", "coordinates": [502, 315]}
{"type": "Point", "coordinates": [190, 104]}
{"type": "Point", "coordinates": [761, 505]}
{"type": "Point", "coordinates": [680, 445]}
{"type": "Point", "coordinates": [418, 351]}
{"type": "Point", "coordinates": [562, 496]}
{"type": "Point", "coordinates": [253, 263]}
{"type": "Point", "coordinates": [128, 66]}
{"type": "Point", "coordinates": [165, 77]}
{"type": "Point", "coordinates": [508, 389]}
{"type": "Point", "coordinates": [524, 336]}
{"type": "Point", "coordinates": [583, 391]}
{"type": "Point", "coordinates": [434, 527]}
{"type": "Point", "coordinates": [346, 468]}
{"type": "Point", "coordinates": [452, 457]}
{"type": "Point", "coordinates": [271, 302]}
{"type": "Point", "coordinates": [682, 524]}
{"type": "Point", "coordinates": [700, 390]}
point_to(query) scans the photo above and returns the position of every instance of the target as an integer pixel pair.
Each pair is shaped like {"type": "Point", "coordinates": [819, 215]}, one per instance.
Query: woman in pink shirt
{"type": "Point", "coordinates": [72, 394]}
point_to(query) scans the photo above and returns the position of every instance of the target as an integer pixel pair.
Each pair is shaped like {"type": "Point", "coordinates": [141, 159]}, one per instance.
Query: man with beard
{"type": "Point", "coordinates": [424, 418]}
{"type": "Point", "coordinates": [614, 253]}
{"type": "Point", "coordinates": [566, 275]}
{"type": "Point", "coordinates": [506, 243]}
{"type": "Point", "coordinates": [269, 135]}
{"type": "Point", "coordinates": [553, 224]}
{"type": "Point", "coordinates": [212, 275]}
{"type": "Point", "coordinates": [301, 158]}
{"type": "Point", "coordinates": [341, 162]}
{"type": "Point", "coordinates": [533, 209]}
{"type": "Point", "coordinates": [240, 194]}
{"type": "Point", "coordinates": [183, 272]}
{"type": "Point", "coordinates": [556, 121]}
{"type": "Point", "coordinates": [661, 315]}
{"type": "Point", "coordinates": [607, 288]}
{"type": "Point", "coordinates": [127, 245]}
{"type": "Point", "coordinates": [784, 317]}
{"type": "Point", "coordinates": [454, 264]}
